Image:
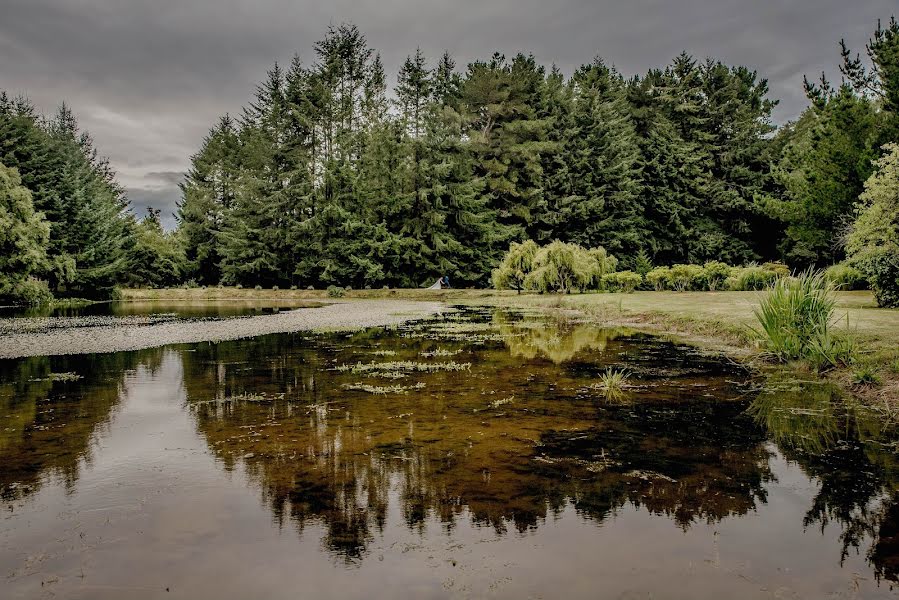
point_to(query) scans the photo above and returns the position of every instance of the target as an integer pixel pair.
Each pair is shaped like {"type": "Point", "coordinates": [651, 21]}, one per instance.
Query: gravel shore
{"type": "Point", "coordinates": [86, 335]}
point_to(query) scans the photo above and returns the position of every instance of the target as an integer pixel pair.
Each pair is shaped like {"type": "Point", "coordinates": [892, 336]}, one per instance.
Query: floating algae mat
{"type": "Point", "coordinates": [464, 457]}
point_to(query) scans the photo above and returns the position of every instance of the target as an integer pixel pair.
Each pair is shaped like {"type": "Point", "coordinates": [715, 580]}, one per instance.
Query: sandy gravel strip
{"type": "Point", "coordinates": [127, 335]}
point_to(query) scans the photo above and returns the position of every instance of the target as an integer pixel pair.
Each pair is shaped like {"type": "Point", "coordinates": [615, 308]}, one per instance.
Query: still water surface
{"type": "Point", "coordinates": [468, 456]}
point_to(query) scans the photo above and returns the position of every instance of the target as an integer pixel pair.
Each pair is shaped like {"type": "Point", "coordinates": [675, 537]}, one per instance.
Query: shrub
{"type": "Point", "coordinates": [190, 284]}
{"type": "Point", "coordinates": [31, 291]}
{"type": "Point", "coordinates": [293, 287]}
{"type": "Point", "coordinates": [846, 277]}
{"type": "Point", "coordinates": [687, 277]}
{"type": "Point", "coordinates": [515, 266]}
{"type": "Point", "coordinates": [561, 267]}
{"type": "Point", "coordinates": [311, 287]}
{"type": "Point", "coordinates": [239, 286]}
{"type": "Point", "coordinates": [275, 288]}
{"type": "Point", "coordinates": [335, 291]}
{"type": "Point", "coordinates": [796, 317]}
{"type": "Point", "coordinates": [715, 273]}
{"type": "Point", "coordinates": [753, 278]}
{"type": "Point", "coordinates": [659, 278]}
{"type": "Point", "coordinates": [778, 269]}
{"type": "Point", "coordinates": [623, 281]}
{"type": "Point", "coordinates": [873, 241]}
{"type": "Point", "coordinates": [258, 287]}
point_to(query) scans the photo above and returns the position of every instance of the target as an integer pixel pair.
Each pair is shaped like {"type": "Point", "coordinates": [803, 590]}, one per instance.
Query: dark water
{"type": "Point", "coordinates": [198, 309]}
{"type": "Point", "coordinates": [289, 467]}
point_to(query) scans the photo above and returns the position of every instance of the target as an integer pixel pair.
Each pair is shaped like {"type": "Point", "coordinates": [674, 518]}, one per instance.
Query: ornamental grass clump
{"type": "Point", "coordinates": [797, 318]}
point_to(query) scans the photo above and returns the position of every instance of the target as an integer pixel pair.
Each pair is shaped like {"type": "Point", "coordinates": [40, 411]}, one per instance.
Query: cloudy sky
{"type": "Point", "coordinates": [148, 77]}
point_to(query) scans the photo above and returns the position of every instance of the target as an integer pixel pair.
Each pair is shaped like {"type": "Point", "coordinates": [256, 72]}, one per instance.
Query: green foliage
{"type": "Point", "coordinates": [660, 278]}
{"type": "Point", "coordinates": [873, 242]}
{"type": "Point", "coordinates": [866, 375]}
{"type": "Point", "coordinates": [714, 274]}
{"type": "Point", "coordinates": [156, 258]}
{"type": "Point", "coordinates": [642, 263]}
{"type": "Point", "coordinates": [76, 191]}
{"type": "Point", "coordinates": [336, 292]}
{"type": "Point", "coordinates": [516, 265]}
{"type": "Point", "coordinates": [622, 281]}
{"type": "Point", "coordinates": [320, 183]}
{"type": "Point", "coordinates": [796, 317]}
{"type": "Point", "coordinates": [603, 264]}
{"type": "Point", "coordinates": [846, 277]}
{"type": "Point", "coordinates": [613, 384]}
{"type": "Point", "coordinates": [825, 160]}
{"type": "Point", "coordinates": [687, 277]}
{"type": "Point", "coordinates": [752, 278]}
{"type": "Point", "coordinates": [31, 291]}
{"type": "Point", "coordinates": [24, 235]}
{"type": "Point", "coordinates": [561, 267]}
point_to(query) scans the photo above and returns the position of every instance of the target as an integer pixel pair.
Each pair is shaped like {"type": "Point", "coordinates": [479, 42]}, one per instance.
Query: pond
{"type": "Point", "coordinates": [472, 455]}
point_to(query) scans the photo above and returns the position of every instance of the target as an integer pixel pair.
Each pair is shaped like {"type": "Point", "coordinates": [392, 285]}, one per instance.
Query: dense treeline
{"type": "Point", "coordinates": [65, 228]}
{"type": "Point", "coordinates": [327, 177]}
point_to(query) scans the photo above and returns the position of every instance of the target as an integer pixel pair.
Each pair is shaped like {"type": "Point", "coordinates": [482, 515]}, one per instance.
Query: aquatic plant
{"type": "Point", "coordinates": [68, 376]}
{"type": "Point", "coordinates": [406, 365]}
{"type": "Point", "coordinates": [441, 352]}
{"type": "Point", "coordinates": [796, 318]}
{"type": "Point", "coordinates": [381, 390]}
{"type": "Point", "coordinates": [613, 383]}
{"type": "Point", "coordinates": [384, 352]}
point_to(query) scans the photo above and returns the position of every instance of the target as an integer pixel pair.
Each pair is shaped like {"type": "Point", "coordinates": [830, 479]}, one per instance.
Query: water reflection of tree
{"type": "Point", "coordinates": [848, 449]}
{"type": "Point", "coordinates": [560, 342]}
{"type": "Point", "coordinates": [48, 426]}
{"type": "Point", "coordinates": [322, 454]}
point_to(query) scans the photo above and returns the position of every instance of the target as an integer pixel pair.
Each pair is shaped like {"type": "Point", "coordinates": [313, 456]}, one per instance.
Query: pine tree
{"type": "Point", "coordinates": [208, 196]}
{"type": "Point", "coordinates": [499, 101]}
{"type": "Point", "coordinates": [602, 208]}
{"type": "Point", "coordinates": [77, 192]}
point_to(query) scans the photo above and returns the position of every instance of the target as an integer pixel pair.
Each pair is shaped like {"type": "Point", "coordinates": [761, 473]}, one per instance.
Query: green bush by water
{"type": "Point", "coordinates": [797, 322]}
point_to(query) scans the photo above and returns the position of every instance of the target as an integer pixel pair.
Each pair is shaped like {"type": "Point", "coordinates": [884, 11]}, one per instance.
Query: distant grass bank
{"type": "Point", "coordinates": [722, 320]}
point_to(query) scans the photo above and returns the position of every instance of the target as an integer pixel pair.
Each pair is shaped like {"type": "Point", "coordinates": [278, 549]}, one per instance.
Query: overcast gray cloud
{"type": "Point", "coordinates": [148, 77]}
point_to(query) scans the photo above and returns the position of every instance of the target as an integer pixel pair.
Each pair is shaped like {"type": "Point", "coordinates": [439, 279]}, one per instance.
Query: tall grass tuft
{"type": "Point", "coordinates": [612, 384]}
{"type": "Point", "coordinates": [797, 322]}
